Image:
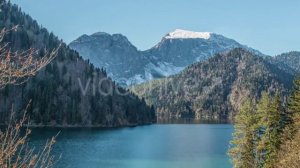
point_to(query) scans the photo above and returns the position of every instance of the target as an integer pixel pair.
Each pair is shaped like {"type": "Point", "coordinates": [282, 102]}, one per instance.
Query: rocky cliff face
{"type": "Point", "coordinates": [213, 90]}
{"type": "Point", "coordinates": [128, 66]}
{"type": "Point", "coordinates": [114, 53]}
{"type": "Point", "coordinates": [70, 91]}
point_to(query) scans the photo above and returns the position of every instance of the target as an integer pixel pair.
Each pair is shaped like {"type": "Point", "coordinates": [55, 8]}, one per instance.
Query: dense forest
{"type": "Point", "coordinates": [214, 90]}
{"type": "Point", "coordinates": [69, 91]}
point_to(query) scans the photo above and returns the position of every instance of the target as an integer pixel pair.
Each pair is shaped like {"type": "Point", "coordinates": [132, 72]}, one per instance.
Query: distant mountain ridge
{"type": "Point", "coordinates": [128, 66]}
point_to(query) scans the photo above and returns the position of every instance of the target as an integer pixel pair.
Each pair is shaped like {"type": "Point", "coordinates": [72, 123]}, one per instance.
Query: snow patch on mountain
{"type": "Point", "coordinates": [163, 69]}
{"type": "Point", "coordinates": [136, 79]}
{"type": "Point", "coordinates": [152, 71]}
{"type": "Point", "coordinates": [184, 34]}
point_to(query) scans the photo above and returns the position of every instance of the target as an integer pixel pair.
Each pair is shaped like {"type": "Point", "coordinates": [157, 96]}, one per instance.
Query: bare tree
{"type": "Point", "coordinates": [16, 68]}
{"type": "Point", "coordinates": [15, 151]}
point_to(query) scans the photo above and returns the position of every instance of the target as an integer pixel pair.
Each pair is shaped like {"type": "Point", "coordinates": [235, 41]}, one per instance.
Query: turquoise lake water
{"type": "Point", "coordinates": [152, 146]}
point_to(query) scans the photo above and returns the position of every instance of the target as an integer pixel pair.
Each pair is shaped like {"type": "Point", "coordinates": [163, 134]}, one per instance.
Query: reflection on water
{"type": "Point", "coordinates": [153, 146]}
{"type": "Point", "coordinates": [187, 121]}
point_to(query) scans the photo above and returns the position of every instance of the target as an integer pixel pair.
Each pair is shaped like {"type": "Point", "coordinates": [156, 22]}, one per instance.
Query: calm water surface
{"type": "Point", "coordinates": [153, 146]}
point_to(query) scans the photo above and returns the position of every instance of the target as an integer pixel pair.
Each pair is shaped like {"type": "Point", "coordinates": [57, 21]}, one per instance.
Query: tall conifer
{"type": "Point", "coordinates": [243, 143]}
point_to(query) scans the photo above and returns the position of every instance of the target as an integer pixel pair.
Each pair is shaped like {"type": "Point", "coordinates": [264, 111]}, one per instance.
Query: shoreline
{"type": "Point", "coordinates": [158, 122]}
{"type": "Point", "coordinates": [80, 126]}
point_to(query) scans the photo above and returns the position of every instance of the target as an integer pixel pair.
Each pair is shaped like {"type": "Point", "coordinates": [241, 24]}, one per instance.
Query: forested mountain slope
{"type": "Point", "coordinates": [289, 61]}
{"type": "Point", "coordinates": [213, 90]}
{"type": "Point", "coordinates": [70, 90]}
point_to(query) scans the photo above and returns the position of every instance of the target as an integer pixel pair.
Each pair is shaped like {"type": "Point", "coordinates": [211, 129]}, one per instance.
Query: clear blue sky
{"type": "Point", "coordinates": [271, 26]}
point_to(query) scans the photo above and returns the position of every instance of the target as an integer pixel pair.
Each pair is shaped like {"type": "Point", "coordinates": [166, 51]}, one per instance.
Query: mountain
{"type": "Point", "coordinates": [182, 48]}
{"type": "Point", "coordinates": [70, 91]}
{"type": "Point", "coordinates": [213, 90]}
{"type": "Point", "coordinates": [114, 52]}
{"type": "Point", "coordinates": [173, 53]}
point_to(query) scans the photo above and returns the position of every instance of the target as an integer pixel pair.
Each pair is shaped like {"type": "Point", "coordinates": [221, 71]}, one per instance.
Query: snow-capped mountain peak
{"type": "Point", "coordinates": [185, 34]}
{"type": "Point", "coordinates": [128, 66]}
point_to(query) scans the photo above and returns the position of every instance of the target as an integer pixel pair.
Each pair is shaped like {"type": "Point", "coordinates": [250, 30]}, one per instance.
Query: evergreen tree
{"type": "Point", "coordinates": [263, 107]}
{"type": "Point", "coordinates": [243, 143]}
{"type": "Point", "coordinates": [258, 131]}
{"type": "Point", "coordinates": [262, 135]}
{"type": "Point", "coordinates": [294, 104]}
{"type": "Point", "coordinates": [271, 123]}
{"type": "Point", "coordinates": [288, 156]}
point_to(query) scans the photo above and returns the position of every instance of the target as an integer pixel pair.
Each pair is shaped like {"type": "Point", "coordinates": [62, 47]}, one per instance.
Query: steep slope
{"type": "Point", "coordinates": [213, 90]}
{"type": "Point", "coordinates": [69, 91]}
{"type": "Point", "coordinates": [176, 51]}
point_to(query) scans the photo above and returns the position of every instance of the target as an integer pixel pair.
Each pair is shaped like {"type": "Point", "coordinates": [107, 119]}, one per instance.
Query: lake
{"type": "Point", "coordinates": [151, 146]}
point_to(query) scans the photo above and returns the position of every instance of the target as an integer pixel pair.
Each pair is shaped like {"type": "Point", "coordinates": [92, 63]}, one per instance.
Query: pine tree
{"type": "Point", "coordinates": [271, 122]}
{"type": "Point", "coordinates": [263, 107]}
{"type": "Point", "coordinates": [243, 143]}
